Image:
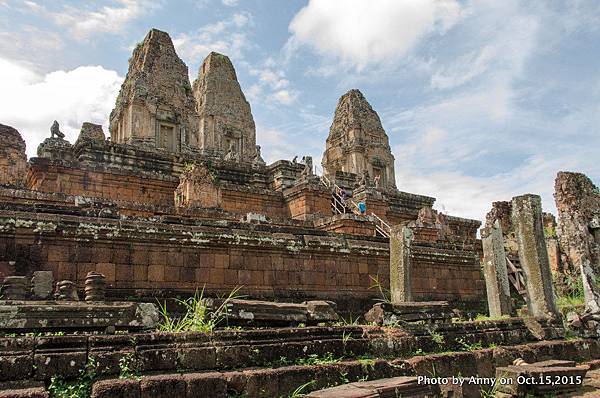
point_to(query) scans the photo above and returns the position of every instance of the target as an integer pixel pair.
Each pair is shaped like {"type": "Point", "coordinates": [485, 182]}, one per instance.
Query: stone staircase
{"type": "Point", "coordinates": [342, 205]}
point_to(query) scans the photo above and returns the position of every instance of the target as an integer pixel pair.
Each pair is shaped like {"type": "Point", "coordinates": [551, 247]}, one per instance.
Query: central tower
{"type": "Point", "coordinates": [357, 142]}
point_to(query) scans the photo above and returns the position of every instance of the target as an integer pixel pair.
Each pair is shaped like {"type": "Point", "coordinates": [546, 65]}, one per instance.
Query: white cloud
{"type": "Point", "coordinates": [83, 23]}
{"type": "Point", "coordinates": [86, 93]}
{"type": "Point", "coordinates": [228, 37]}
{"type": "Point", "coordinates": [230, 3]}
{"type": "Point", "coordinates": [273, 80]}
{"type": "Point", "coordinates": [284, 96]}
{"type": "Point", "coordinates": [365, 32]}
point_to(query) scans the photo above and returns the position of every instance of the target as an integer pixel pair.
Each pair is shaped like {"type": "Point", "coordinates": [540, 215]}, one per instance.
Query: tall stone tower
{"type": "Point", "coordinates": [357, 143]}
{"type": "Point", "coordinates": [226, 123]}
{"type": "Point", "coordinates": [155, 107]}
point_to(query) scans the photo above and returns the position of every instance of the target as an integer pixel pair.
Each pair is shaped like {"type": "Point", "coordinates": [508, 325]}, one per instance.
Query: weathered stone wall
{"type": "Point", "coordinates": [13, 160]}
{"type": "Point", "coordinates": [149, 257]}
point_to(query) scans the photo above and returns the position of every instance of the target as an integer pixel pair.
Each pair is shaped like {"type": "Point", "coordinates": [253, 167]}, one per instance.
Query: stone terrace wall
{"type": "Point", "coordinates": [446, 269]}
{"type": "Point", "coordinates": [151, 258]}
{"type": "Point", "coordinates": [168, 255]}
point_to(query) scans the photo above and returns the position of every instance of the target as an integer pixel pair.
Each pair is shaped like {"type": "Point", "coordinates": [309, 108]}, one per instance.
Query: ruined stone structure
{"type": "Point", "coordinates": [155, 107]}
{"type": "Point", "coordinates": [13, 161]}
{"type": "Point", "coordinates": [180, 199]}
{"type": "Point", "coordinates": [160, 208]}
{"type": "Point", "coordinates": [578, 205]}
{"type": "Point", "coordinates": [226, 123]}
{"type": "Point", "coordinates": [358, 144]}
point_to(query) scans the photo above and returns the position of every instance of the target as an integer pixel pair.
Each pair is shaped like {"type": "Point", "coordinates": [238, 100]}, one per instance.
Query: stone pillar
{"type": "Point", "coordinates": [400, 264]}
{"type": "Point", "coordinates": [95, 286]}
{"type": "Point", "coordinates": [15, 288]}
{"type": "Point", "coordinates": [495, 271]}
{"type": "Point", "coordinates": [66, 290]}
{"type": "Point", "coordinates": [533, 255]}
{"type": "Point", "coordinates": [41, 284]}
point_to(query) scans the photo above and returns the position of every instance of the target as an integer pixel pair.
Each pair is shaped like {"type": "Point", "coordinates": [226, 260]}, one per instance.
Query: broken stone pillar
{"type": "Point", "coordinates": [495, 271]}
{"type": "Point", "coordinates": [533, 255]}
{"type": "Point", "coordinates": [66, 290]}
{"type": "Point", "coordinates": [15, 288]}
{"type": "Point", "coordinates": [400, 264]}
{"type": "Point", "coordinates": [41, 284]}
{"type": "Point", "coordinates": [95, 286]}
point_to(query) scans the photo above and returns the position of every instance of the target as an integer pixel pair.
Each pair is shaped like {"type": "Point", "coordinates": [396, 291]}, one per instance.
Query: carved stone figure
{"type": "Point", "coordinates": [55, 131]}
{"type": "Point", "coordinates": [258, 160]}
{"type": "Point", "coordinates": [308, 166]}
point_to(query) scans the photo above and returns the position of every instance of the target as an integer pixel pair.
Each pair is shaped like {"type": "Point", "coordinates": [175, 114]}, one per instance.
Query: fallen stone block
{"type": "Point", "coordinates": [403, 386]}
{"type": "Point", "coordinates": [39, 316]}
{"type": "Point", "coordinates": [259, 312]}
{"type": "Point", "coordinates": [428, 311]}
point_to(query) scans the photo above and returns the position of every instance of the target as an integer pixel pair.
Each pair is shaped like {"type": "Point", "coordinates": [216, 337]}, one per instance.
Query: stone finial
{"type": "Point", "coordinates": [226, 121]}
{"type": "Point", "coordinates": [357, 142]}
{"type": "Point", "coordinates": [95, 287]}
{"type": "Point", "coordinates": [15, 288]}
{"type": "Point", "coordinates": [13, 159]}
{"type": "Point", "coordinates": [533, 255]}
{"type": "Point", "coordinates": [42, 284]}
{"type": "Point", "coordinates": [67, 291]}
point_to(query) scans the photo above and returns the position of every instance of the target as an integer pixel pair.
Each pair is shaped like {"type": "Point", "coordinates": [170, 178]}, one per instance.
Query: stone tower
{"type": "Point", "coordinates": [226, 123]}
{"type": "Point", "coordinates": [13, 160]}
{"type": "Point", "coordinates": [155, 107]}
{"type": "Point", "coordinates": [357, 143]}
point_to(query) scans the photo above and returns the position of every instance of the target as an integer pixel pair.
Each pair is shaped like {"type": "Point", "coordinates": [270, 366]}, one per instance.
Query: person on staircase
{"type": "Point", "coordinates": [362, 207]}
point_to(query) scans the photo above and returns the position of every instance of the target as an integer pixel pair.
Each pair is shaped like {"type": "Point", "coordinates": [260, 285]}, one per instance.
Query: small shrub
{"type": "Point", "coordinates": [79, 388]}
{"type": "Point", "coordinates": [199, 315]}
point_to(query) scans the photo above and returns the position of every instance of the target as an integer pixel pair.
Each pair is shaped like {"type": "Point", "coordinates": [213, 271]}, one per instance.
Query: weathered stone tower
{"type": "Point", "coordinates": [357, 143]}
{"type": "Point", "coordinates": [13, 160]}
{"type": "Point", "coordinates": [155, 107]}
{"type": "Point", "coordinates": [226, 123]}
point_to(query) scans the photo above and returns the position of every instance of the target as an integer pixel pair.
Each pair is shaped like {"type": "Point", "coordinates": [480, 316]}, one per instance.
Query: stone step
{"type": "Point", "coordinates": [403, 386]}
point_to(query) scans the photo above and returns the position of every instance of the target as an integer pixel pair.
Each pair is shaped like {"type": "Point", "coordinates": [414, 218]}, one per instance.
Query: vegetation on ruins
{"type": "Point", "coordinates": [79, 388]}
{"type": "Point", "coordinates": [383, 292]}
{"type": "Point", "coordinates": [129, 367]}
{"type": "Point", "coordinates": [201, 314]}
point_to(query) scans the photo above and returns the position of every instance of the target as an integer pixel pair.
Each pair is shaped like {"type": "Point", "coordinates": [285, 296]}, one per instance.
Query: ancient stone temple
{"type": "Point", "coordinates": [226, 124]}
{"type": "Point", "coordinates": [155, 107]}
{"type": "Point", "coordinates": [96, 234]}
{"type": "Point", "coordinates": [358, 144]}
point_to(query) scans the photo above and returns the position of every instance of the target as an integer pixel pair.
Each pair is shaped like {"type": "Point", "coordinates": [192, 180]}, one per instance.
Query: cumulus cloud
{"type": "Point", "coordinates": [228, 37]}
{"type": "Point", "coordinates": [272, 81]}
{"type": "Point", "coordinates": [86, 93]}
{"type": "Point", "coordinates": [365, 32]}
{"type": "Point", "coordinates": [84, 22]}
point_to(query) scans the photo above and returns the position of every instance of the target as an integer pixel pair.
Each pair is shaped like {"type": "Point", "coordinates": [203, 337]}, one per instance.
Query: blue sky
{"type": "Point", "coordinates": [482, 100]}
